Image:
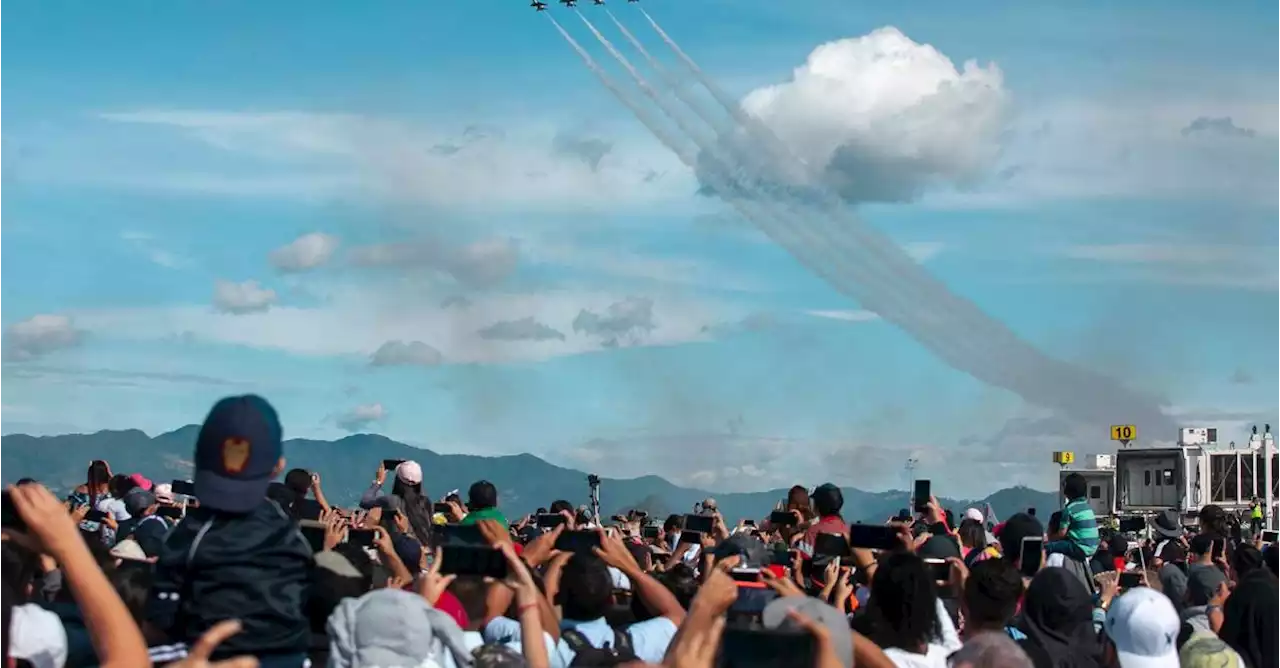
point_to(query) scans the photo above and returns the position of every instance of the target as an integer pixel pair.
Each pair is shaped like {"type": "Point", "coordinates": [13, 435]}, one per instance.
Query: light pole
{"type": "Point", "coordinates": [911, 482]}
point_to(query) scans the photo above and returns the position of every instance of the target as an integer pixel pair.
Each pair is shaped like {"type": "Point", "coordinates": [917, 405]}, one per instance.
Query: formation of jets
{"type": "Point", "coordinates": [540, 6]}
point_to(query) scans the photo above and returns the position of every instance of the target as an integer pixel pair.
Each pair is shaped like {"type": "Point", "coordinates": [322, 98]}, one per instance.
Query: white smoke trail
{"type": "Point", "coordinates": [1028, 372]}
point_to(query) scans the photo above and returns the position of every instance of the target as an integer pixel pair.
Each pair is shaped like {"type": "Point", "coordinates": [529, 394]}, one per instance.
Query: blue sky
{"type": "Point", "coordinates": [414, 219]}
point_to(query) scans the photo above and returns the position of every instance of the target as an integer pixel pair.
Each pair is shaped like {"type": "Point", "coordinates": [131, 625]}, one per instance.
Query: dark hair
{"type": "Point", "coordinates": [98, 476]}
{"type": "Point", "coordinates": [1213, 519]}
{"type": "Point", "coordinates": [905, 602]}
{"type": "Point", "coordinates": [328, 590]}
{"type": "Point", "coordinates": [416, 507]}
{"type": "Point", "coordinates": [132, 581]}
{"type": "Point", "coordinates": [560, 505]}
{"type": "Point", "coordinates": [482, 495]}
{"type": "Point", "coordinates": [1245, 560]}
{"type": "Point", "coordinates": [25, 481]}
{"type": "Point", "coordinates": [1015, 529]}
{"type": "Point", "coordinates": [1074, 486]}
{"type": "Point", "coordinates": [586, 588]}
{"type": "Point", "coordinates": [798, 499]}
{"type": "Point", "coordinates": [1055, 521]}
{"type": "Point", "coordinates": [673, 523]}
{"type": "Point", "coordinates": [471, 593]}
{"type": "Point", "coordinates": [991, 593]}
{"type": "Point", "coordinates": [828, 500]}
{"type": "Point", "coordinates": [1201, 544]}
{"type": "Point", "coordinates": [20, 568]}
{"type": "Point", "coordinates": [972, 534]}
{"type": "Point", "coordinates": [298, 481]}
{"type": "Point", "coordinates": [119, 485]}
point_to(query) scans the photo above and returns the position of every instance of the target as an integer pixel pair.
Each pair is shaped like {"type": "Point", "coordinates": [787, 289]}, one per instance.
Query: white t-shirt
{"type": "Point", "coordinates": [37, 635]}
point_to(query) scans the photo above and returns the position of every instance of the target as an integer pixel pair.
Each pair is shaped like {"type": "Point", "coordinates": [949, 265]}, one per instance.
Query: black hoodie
{"type": "Point", "coordinates": [254, 567]}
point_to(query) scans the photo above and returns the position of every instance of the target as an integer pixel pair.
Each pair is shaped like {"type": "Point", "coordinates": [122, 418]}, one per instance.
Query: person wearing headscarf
{"type": "Point", "coordinates": [1250, 618]}
{"type": "Point", "coordinates": [390, 627]}
{"type": "Point", "coordinates": [1057, 618]}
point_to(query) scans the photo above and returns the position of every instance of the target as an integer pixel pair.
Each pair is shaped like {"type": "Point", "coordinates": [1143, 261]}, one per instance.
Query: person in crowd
{"type": "Point", "coordinates": [1207, 587]}
{"type": "Point", "coordinates": [990, 650]}
{"type": "Point", "coordinates": [482, 504]}
{"type": "Point", "coordinates": [973, 542]}
{"type": "Point", "coordinates": [1079, 530]}
{"type": "Point", "coordinates": [1012, 535]}
{"type": "Point", "coordinates": [145, 528]}
{"type": "Point", "coordinates": [827, 500]}
{"type": "Point", "coordinates": [908, 620]}
{"type": "Point", "coordinates": [1250, 618]}
{"type": "Point", "coordinates": [1255, 517]}
{"type": "Point", "coordinates": [1142, 630]}
{"type": "Point", "coordinates": [992, 591]}
{"type": "Point", "coordinates": [238, 555]}
{"type": "Point", "coordinates": [1213, 523]}
{"type": "Point", "coordinates": [1057, 619]}
{"type": "Point", "coordinates": [406, 497]}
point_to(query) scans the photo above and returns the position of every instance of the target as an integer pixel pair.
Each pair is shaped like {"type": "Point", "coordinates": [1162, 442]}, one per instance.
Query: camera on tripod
{"type": "Point", "coordinates": [593, 480]}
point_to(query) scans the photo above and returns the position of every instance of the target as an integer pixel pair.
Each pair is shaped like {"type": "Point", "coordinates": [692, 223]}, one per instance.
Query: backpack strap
{"type": "Point", "coordinates": [622, 643]}
{"type": "Point", "coordinates": [575, 640]}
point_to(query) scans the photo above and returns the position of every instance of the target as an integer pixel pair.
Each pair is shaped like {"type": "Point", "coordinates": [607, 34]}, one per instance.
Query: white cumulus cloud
{"type": "Point", "coordinates": [308, 251]}
{"type": "Point", "coordinates": [40, 335]}
{"type": "Point", "coordinates": [361, 417]}
{"type": "Point", "coordinates": [402, 353]}
{"type": "Point", "coordinates": [241, 298]}
{"type": "Point", "coordinates": [883, 118]}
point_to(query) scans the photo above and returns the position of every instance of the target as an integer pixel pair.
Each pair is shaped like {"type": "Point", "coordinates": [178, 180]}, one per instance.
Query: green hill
{"type": "Point", "coordinates": [525, 482]}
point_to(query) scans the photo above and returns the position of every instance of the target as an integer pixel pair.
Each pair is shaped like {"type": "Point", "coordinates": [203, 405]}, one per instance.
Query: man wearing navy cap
{"type": "Point", "coordinates": [238, 555]}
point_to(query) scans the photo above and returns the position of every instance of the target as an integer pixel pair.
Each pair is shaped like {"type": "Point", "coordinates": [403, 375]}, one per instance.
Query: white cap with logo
{"type": "Point", "coordinates": [1143, 625]}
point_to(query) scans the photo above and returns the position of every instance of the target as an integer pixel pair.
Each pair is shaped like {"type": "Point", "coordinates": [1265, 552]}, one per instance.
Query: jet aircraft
{"type": "Point", "coordinates": [538, 6]}
{"type": "Point", "coordinates": [569, 3]}
{"type": "Point", "coordinates": [598, 3]}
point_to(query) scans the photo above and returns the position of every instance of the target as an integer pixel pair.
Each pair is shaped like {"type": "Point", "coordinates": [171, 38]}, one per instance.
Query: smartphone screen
{"type": "Point", "coordinates": [171, 512]}
{"type": "Point", "coordinates": [361, 537]}
{"type": "Point", "coordinates": [1031, 555]}
{"type": "Point", "coordinates": [95, 515]}
{"type": "Point", "coordinates": [471, 560]}
{"type": "Point", "coordinates": [745, 574]}
{"type": "Point", "coordinates": [1270, 536]}
{"type": "Point", "coordinates": [314, 536]}
{"type": "Point", "coordinates": [690, 537]}
{"type": "Point", "coordinates": [577, 541]}
{"type": "Point", "coordinates": [748, 523]}
{"type": "Point", "coordinates": [830, 545]}
{"type": "Point", "coordinates": [183, 487]}
{"type": "Point", "coordinates": [782, 518]}
{"type": "Point", "coordinates": [391, 464]}
{"type": "Point", "coordinates": [442, 508]}
{"type": "Point", "coordinates": [1130, 580]}
{"type": "Point", "coordinates": [939, 569]}
{"type": "Point", "coordinates": [699, 523]}
{"type": "Point", "coordinates": [749, 647]}
{"type": "Point", "coordinates": [650, 532]}
{"type": "Point", "coordinates": [923, 493]}
{"type": "Point", "coordinates": [550, 520]}
{"type": "Point", "coordinates": [873, 536]}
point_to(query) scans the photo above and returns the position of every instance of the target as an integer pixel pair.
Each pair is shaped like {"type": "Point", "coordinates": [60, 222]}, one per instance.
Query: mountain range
{"type": "Point", "coordinates": [525, 482]}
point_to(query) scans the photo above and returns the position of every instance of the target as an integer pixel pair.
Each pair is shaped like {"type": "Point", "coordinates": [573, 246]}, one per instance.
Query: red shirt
{"type": "Point", "coordinates": [828, 524]}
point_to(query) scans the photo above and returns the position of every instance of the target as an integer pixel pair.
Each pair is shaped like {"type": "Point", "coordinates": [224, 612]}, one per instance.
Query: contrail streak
{"type": "Point", "coordinates": [923, 321]}
{"type": "Point", "coordinates": [1040, 379]}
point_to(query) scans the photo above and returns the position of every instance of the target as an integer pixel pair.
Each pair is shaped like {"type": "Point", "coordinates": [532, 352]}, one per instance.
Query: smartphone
{"type": "Point", "coordinates": [308, 509]}
{"type": "Point", "coordinates": [873, 536]}
{"type": "Point", "coordinates": [1219, 548]}
{"type": "Point", "coordinates": [923, 494]}
{"type": "Point", "coordinates": [471, 560]}
{"type": "Point", "coordinates": [639, 515]}
{"type": "Point", "coordinates": [1130, 580]}
{"type": "Point", "coordinates": [460, 534]}
{"type": "Point", "coordinates": [1031, 555]}
{"type": "Point", "coordinates": [1270, 536]}
{"type": "Point", "coordinates": [745, 574]}
{"type": "Point", "coordinates": [939, 569]}
{"type": "Point", "coordinates": [748, 523]}
{"type": "Point", "coordinates": [550, 520]}
{"type": "Point", "coordinates": [782, 518]}
{"type": "Point", "coordinates": [1132, 524]}
{"type": "Point", "coordinates": [95, 515]}
{"type": "Point", "coordinates": [690, 537]}
{"type": "Point", "coordinates": [183, 487]}
{"type": "Point", "coordinates": [579, 542]}
{"type": "Point", "coordinates": [391, 464]}
{"type": "Point", "coordinates": [441, 508]}
{"type": "Point", "coordinates": [830, 545]}
{"type": "Point", "coordinates": [171, 512]}
{"type": "Point", "coordinates": [11, 519]}
{"type": "Point", "coordinates": [361, 537]}
{"type": "Point", "coordinates": [752, 647]}
{"type": "Point", "coordinates": [314, 536]}
{"type": "Point", "coordinates": [650, 533]}
{"type": "Point", "coordinates": [699, 523]}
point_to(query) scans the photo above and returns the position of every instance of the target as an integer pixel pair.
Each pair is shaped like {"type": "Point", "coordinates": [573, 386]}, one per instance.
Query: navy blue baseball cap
{"type": "Point", "coordinates": [236, 454]}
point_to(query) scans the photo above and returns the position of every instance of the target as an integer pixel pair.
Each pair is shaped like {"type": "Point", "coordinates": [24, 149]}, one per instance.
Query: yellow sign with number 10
{"type": "Point", "coordinates": [1123, 433]}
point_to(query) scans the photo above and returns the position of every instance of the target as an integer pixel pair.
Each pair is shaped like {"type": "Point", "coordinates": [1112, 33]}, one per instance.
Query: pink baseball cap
{"type": "Point", "coordinates": [141, 481]}
{"type": "Point", "coordinates": [409, 472]}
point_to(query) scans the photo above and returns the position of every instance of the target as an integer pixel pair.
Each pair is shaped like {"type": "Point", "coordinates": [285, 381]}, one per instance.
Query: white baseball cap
{"type": "Point", "coordinates": [1143, 625]}
{"type": "Point", "coordinates": [975, 514]}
